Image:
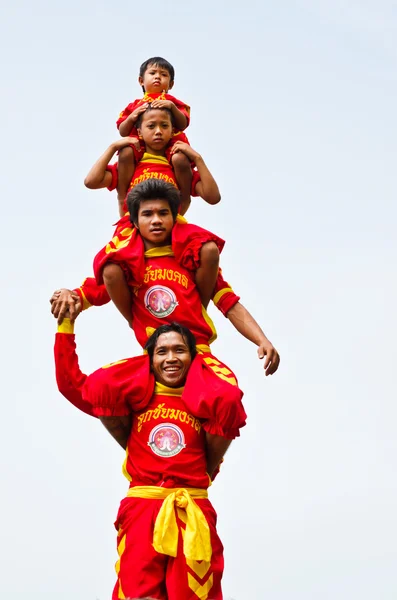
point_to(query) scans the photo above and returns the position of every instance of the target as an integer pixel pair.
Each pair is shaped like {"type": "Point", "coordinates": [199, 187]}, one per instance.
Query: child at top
{"type": "Point", "coordinates": [156, 76]}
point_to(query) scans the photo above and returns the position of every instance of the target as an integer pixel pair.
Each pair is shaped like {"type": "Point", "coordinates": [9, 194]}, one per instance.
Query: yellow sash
{"type": "Point", "coordinates": [197, 540]}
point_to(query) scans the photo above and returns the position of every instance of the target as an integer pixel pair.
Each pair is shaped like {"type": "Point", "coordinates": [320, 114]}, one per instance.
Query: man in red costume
{"type": "Point", "coordinates": [167, 541]}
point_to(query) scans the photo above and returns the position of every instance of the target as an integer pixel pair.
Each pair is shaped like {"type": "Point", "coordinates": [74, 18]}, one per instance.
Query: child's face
{"type": "Point", "coordinates": [156, 79]}
{"type": "Point", "coordinates": [156, 129]}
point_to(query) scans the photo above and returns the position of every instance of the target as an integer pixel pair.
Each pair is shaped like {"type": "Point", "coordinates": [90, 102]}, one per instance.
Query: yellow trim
{"type": "Point", "coordinates": [164, 390]}
{"type": "Point", "coordinates": [66, 327]}
{"type": "Point", "coordinates": [181, 220]}
{"type": "Point", "coordinates": [197, 539]}
{"type": "Point", "coordinates": [159, 251]}
{"type": "Point", "coordinates": [219, 295]}
{"type": "Point", "coordinates": [209, 322]}
{"type": "Point", "coordinates": [124, 467]}
{"type": "Point", "coordinates": [201, 591]}
{"type": "Point", "coordinates": [203, 348]}
{"type": "Point", "coordinates": [153, 158]}
{"type": "Point", "coordinates": [86, 304]}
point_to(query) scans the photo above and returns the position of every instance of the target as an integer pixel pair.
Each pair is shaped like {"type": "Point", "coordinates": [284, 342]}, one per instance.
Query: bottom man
{"type": "Point", "coordinates": [167, 541]}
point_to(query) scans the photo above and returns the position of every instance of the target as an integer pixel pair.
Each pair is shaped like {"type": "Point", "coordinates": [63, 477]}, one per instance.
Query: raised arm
{"type": "Point", "coordinates": [206, 186]}
{"type": "Point", "coordinates": [69, 376]}
{"type": "Point", "coordinates": [101, 175]}
{"type": "Point", "coordinates": [179, 117]}
{"type": "Point", "coordinates": [90, 293]}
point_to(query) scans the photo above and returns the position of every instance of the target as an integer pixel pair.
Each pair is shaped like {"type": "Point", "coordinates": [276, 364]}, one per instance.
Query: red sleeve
{"type": "Point", "coordinates": [92, 294]}
{"type": "Point", "coordinates": [224, 297]}
{"type": "Point", "coordinates": [184, 108]}
{"type": "Point", "coordinates": [69, 377]}
{"type": "Point", "coordinates": [127, 111]}
{"type": "Point", "coordinates": [113, 170]}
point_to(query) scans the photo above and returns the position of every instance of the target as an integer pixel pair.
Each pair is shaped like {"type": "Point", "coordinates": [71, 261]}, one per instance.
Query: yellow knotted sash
{"type": "Point", "coordinates": [197, 540]}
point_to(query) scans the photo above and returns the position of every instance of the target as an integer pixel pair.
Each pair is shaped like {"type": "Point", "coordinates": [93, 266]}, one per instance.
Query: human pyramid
{"type": "Point", "coordinates": [176, 408]}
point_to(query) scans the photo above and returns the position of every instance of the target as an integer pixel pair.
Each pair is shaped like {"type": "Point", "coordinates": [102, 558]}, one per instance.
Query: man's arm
{"type": "Point", "coordinates": [206, 187]}
{"type": "Point", "coordinates": [245, 324]}
{"type": "Point", "coordinates": [228, 303]}
{"type": "Point", "coordinates": [69, 377]}
{"type": "Point", "coordinates": [71, 383]}
{"type": "Point", "coordinates": [100, 176]}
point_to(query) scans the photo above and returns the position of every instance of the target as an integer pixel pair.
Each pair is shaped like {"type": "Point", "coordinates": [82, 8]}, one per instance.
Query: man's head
{"type": "Point", "coordinates": [156, 75]}
{"type": "Point", "coordinates": [153, 206]}
{"type": "Point", "coordinates": [155, 126]}
{"type": "Point", "coordinates": [171, 349]}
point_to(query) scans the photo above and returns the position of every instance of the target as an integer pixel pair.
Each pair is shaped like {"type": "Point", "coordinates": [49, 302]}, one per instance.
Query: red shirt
{"type": "Point", "coordinates": [167, 445]}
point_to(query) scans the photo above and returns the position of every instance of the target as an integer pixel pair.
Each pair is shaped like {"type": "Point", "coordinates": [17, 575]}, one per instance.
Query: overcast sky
{"type": "Point", "coordinates": [294, 110]}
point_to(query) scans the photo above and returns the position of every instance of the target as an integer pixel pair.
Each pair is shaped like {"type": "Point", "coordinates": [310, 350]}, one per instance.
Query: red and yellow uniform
{"type": "Point", "coordinates": [148, 98]}
{"type": "Point", "coordinates": [167, 541]}
{"type": "Point", "coordinates": [151, 167]}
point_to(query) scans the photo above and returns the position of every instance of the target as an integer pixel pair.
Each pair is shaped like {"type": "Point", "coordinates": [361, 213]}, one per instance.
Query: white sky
{"type": "Point", "coordinates": [294, 110]}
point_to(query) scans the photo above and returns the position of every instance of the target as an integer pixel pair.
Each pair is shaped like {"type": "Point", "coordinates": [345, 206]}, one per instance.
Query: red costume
{"type": "Point", "coordinates": [148, 98]}
{"type": "Point", "coordinates": [167, 540]}
{"type": "Point", "coordinates": [151, 167]}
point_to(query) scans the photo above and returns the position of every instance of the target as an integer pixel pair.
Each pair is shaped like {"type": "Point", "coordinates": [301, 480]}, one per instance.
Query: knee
{"type": "Point", "coordinates": [112, 274]}
{"type": "Point", "coordinates": [209, 254]}
{"type": "Point", "coordinates": [126, 155]}
{"type": "Point", "coordinates": [180, 161]}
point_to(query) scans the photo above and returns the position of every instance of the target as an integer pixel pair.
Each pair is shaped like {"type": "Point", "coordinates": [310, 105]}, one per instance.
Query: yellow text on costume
{"type": "Point", "coordinates": [149, 174]}
{"type": "Point", "coordinates": [168, 413]}
{"type": "Point", "coordinates": [197, 539]}
{"type": "Point", "coordinates": [165, 275]}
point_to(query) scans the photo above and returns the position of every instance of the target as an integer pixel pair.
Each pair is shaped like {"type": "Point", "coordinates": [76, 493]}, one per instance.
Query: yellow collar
{"type": "Point", "coordinates": [164, 390]}
{"type": "Point", "coordinates": [159, 251]}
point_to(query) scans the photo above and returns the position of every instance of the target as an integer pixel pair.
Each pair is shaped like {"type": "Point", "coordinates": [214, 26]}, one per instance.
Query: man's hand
{"type": "Point", "coordinates": [127, 141]}
{"type": "Point", "coordinates": [272, 361]}
{"type": "Point", "coordinates": [65, 301]}
{"type": "Point", "coordinates": [162, 104]}
{"type": "Point", "coordinates": [187, 150]}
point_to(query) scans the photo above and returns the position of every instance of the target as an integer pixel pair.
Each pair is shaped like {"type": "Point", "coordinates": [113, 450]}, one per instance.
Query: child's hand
{"type": "Point", "coordinates": [162, 104]}
{"type": "Point", "coordinates": [179, 146]}
{"type": "Point", "coordinates": [138, 111]}
{"type": "Point", "coordinates": [127, 141]}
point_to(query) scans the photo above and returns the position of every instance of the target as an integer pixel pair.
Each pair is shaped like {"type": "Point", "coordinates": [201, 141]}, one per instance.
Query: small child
{"type": "Point", "coordinates": [156, 76]}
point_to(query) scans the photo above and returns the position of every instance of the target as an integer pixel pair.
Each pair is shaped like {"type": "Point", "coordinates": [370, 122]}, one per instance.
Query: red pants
{"type": "Point", "coordinates": [143, 572]}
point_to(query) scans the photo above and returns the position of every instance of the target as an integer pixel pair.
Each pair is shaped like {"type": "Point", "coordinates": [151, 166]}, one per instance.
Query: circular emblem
{"type": "Point", "coordinates": [160, 301]}
{"type": "Point", "coordinates": [166, 440]}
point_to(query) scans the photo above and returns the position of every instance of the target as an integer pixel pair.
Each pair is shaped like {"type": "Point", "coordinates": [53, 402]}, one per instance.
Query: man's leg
{"type": "Point", "coordinates": [140, 569]}
{"type": "Point", "coordinates": [118, 290]}
{"type": "Point", "coordinates": [190, 579]}
{"type": "Point", "coordinates": [207, 273]}
{"type": "Point", "coordinates": [126, 170]}
{"type": "Point", "coordinates": [183, 173]}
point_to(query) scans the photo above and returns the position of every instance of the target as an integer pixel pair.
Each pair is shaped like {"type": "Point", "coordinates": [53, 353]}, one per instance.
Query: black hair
{"type": "Point", "coordinates": [157, 61]}
{"type": "Point", "coordinates": [153, 189]}
{"type": "Point", "coordinates": [138, 122]}
{"type": "Point", "coordinates": [187, 335]}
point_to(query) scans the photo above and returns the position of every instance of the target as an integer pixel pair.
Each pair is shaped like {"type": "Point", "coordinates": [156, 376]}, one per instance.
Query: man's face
{"type": "Point", "coordinates": [156, 129]}
{"type": "Point", "coordinates": [156, 80]}
{"type": "Point", "coordinates": [155, 223]}
{"type": "Point", "coordinates": [171, 359]}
